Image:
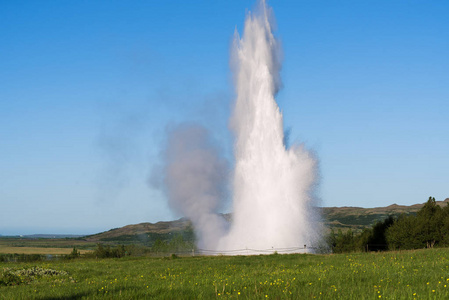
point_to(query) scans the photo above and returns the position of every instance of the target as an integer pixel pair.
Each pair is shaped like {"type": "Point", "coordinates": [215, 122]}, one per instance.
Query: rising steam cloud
{"type": "Point", "coordinates": [272, 186]}
{"type": "Point", "coordinates": [194, 177]}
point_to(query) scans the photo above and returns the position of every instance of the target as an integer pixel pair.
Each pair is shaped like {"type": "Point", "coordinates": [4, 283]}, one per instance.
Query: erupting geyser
{"type": "Point", "coordinates": [272, 185]}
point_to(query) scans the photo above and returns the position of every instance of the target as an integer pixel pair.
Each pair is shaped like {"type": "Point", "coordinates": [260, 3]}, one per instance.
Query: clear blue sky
{"type": "Point", "coordinates": [87, 89]}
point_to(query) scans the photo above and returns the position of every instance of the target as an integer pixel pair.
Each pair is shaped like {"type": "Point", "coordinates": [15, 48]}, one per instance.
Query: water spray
{"type": "Point", "coordinates": [272, 183]}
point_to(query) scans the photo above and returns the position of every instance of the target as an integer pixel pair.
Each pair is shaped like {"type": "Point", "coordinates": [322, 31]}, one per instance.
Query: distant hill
{"type": "Point", "coordinates": [145, 233]}
{"type": "Point", "coordinates": [343, 218]}
{"type": "Point", "coordinates": [51, 236]}
{"type": "Point", "coordinates": [358, 218]}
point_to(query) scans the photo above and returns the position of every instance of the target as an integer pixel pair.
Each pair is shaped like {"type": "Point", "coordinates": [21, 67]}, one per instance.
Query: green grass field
{"type": "Point", "coordinates": [43, 246]}
{"type": "Point", "coordinates": [45, 243]}
{"type": "Point", "coordinates": [420, 274]}
{"type": "Point", "coordinates": [38, 250]}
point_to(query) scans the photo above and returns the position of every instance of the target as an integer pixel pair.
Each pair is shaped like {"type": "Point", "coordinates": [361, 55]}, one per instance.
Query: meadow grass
{"type": "Point", "coordinates": [46, 243]}
{"type": "Point", "coordinates": [419, 274]}
{"type": "Point", "coordinates": [38, 250]}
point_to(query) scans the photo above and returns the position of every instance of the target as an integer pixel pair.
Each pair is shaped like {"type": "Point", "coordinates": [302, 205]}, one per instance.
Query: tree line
{"type": "Point", "coordinates": [427, 229]}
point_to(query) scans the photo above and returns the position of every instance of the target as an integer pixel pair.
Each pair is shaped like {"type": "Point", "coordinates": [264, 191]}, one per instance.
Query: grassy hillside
{"type": "Point", "coordinates": [145, 233]}
{"type": "Point", "coordinates": [358, 218]}
{"type": "Point", "coordinates": [344, 218]}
